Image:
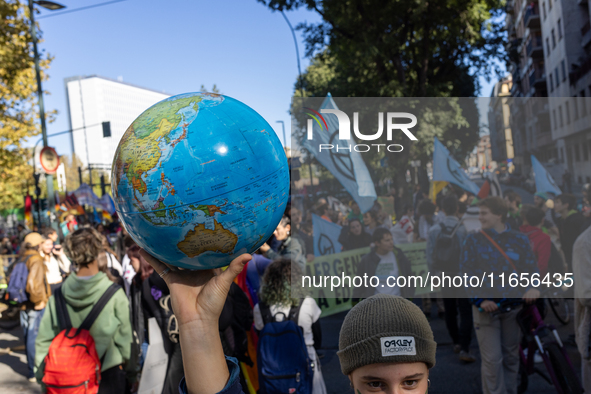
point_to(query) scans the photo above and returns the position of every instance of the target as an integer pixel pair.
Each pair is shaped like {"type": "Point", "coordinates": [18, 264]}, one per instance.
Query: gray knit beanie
{"type": "Point", "coordinates": [385, 329]}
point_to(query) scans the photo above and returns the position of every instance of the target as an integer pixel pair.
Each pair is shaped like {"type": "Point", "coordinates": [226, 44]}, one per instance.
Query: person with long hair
{"type": "Point", "coordinates": [150, 298]}
{"type": "Point", "coordinates": [58, 264]}
{"type": "Point", "coordinates": [354, 236]}
{"type": "Point", "coordinates": [276, 300]}
{"type": "Point", "coordinates": [385, 343]}
{"type": "Point", "coordinates": [111, 330]}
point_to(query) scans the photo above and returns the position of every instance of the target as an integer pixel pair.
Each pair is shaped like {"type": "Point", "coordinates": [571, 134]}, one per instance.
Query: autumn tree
{"type": "Point", "coordinates": [405, 48]}
{"type": "Point", "coordinates": [19, 119]}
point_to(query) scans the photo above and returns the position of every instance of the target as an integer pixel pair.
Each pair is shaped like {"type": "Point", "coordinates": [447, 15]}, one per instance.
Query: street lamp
{"type": "Point", "coordinates": [50, 6]}
{"type": "Point", "coordinates": [297, 53]}
{"type": "Point", "coordinates": [283, 125]}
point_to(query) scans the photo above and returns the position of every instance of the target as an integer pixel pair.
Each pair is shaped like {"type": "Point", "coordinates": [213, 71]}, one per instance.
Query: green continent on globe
{"type": "Point", "coordinates": [201, 240]}
{"type": "Point", "coordinates": [139, 144]}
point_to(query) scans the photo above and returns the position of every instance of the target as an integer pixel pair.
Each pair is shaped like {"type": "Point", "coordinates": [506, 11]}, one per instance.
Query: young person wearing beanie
{"type": "Point", "coordinates": [385, 342]}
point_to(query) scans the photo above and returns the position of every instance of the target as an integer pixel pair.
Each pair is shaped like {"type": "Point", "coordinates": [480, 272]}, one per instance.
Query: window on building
{"type": "Point", "coordinates": [560, 118]}
{"type": "Point", "coordinates": [583, 103]}
{"type": "Point", "coordinates": [563, 69]}
{"type": "Point", "coordinates": [580, 179]}
{"type": "Point", "coordinates": [556, 77]}
{"type": "Point", "coordinates": [549, 5]}
{"type": "Point", "coordinates": [559, 28]}
{"type": "Point", "coordinates": [588, 179]}
{"type": "Point", "coordinates": [569, 154]}
{"type": "Point", "coordinates": [547, 47]}
{"type": "Point", "coordinates": [544, 9]}
{"type": "Point", "coordinates": [553, 39]}
{"type": "Point", "coordinates": [562, 155]}
{"type": "Point", "coordinates": [554, 119]}
{"type": "Point", "coordinates": [567, 110]}
{"type": "Point", "coordinates": [585, 152]}
{"type": "Point", "coordinates": [551, 83]}
{"type": "Point", "coordinates": [576, 107]}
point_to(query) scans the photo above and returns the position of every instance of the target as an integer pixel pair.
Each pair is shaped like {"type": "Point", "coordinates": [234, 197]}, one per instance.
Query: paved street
{"type": "Point", "coordinates": [13, 366]}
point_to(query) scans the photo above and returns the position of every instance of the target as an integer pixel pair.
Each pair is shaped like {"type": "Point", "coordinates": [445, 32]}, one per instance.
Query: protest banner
{"type": "Point", "coordinates": [339, 299]}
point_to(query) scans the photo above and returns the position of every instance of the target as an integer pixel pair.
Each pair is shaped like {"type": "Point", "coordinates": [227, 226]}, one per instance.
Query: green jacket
{"type": "Point", "coordinates": [111, 331]}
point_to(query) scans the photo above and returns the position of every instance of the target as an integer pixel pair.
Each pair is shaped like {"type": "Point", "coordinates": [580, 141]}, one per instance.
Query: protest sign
{"type": "Point", "coordinates": [339, 299]}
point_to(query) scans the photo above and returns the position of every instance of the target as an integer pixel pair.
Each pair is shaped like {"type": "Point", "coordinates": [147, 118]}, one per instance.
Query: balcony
{"type": "Point", "coordinates": [535, 48]}
{"type": "Point", "coordinates": [537, 79]}
{"type": "Point", "coordinates": [532, 16]}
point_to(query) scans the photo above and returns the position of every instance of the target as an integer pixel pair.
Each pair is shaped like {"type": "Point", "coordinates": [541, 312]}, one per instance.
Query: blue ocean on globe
{"type": "Point", "coordinates": [199, 179]}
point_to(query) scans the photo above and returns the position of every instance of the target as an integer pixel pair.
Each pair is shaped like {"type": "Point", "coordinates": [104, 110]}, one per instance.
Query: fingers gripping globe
{"type": "Point", "coordinates": [199, 179]}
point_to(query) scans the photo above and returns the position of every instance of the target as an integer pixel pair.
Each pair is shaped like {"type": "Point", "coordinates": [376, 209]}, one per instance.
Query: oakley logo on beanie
{"type": "Point", "coordinates": [394, 346]}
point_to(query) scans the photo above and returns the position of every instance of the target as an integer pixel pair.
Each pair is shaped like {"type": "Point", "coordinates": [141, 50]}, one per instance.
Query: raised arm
{"type": "Point", "coordinates": [198, 298]}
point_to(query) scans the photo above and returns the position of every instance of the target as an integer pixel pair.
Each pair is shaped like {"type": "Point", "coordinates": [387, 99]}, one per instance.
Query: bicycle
{"type": "Point", "coordinates": [561, 309]}
{"type": "Point", "coordinates": [558, 300]}
{"type": "Point", "coordinates": [545, 339]}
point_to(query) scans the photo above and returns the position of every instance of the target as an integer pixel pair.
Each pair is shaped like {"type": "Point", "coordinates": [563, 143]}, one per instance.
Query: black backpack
{"type": "Point", "coordinates": [447, 249]}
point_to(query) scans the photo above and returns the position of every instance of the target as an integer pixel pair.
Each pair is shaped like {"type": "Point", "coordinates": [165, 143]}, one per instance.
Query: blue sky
{"type": "Point", "coordinates": [175, 46]}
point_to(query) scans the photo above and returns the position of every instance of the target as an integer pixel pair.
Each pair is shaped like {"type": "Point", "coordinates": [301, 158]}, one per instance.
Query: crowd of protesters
{"type": "Point", "coordinates": [552, 235]}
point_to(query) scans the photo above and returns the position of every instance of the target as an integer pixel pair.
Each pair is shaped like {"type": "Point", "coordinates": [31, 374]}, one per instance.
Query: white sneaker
{"type": "Point", "coordinates": [537, 357]}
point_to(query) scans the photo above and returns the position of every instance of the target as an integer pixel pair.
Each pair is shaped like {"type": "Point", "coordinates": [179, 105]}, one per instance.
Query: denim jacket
{"type": "Point", "coordinates": [480, 256]}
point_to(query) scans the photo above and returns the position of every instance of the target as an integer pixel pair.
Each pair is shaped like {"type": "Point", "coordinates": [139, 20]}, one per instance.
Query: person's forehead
{"type": "Point", "coordinates": [390, 371]}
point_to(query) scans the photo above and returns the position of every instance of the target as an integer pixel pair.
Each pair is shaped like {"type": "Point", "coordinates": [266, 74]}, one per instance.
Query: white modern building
{"type": "Point", "coordinates": [93, 100]}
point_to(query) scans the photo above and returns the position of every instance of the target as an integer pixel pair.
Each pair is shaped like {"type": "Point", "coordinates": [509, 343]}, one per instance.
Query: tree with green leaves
{"type": "Point", "coordinates": [405, 48]}
{"type": "Point", "coordinates": [19, 119]}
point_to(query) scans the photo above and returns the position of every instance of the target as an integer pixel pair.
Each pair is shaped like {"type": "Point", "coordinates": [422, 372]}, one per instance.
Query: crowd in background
{"type": "Point", "coordinates": [84, 260]}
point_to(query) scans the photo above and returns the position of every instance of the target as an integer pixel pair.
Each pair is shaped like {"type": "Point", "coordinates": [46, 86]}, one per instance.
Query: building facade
{"type": "Point", "coordinates": [567, 34]}
{"type": "Point", "coordinates": [93, 100]}
{"type": "Point", "coordinates": [499, 123]}
{"type": "Point", "coordinates": [549, 46]}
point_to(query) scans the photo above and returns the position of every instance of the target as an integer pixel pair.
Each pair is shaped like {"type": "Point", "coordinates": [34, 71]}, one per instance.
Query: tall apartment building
{"type": "Point", "coordinates": [567, 36]}
{"type": "Point", "coordinates": [93, 100]}
{"type": "Point", "coordinates": [549, 45]}
{"type": "Point", "coordinates": [529, 114]}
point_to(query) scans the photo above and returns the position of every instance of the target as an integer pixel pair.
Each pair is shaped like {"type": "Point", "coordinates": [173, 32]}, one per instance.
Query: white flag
{"type": "Point", "coordinates": [326, 236]}
{"type": "Point", "coordinates": [345, 164]}
{"type": "Point", "coordinates": [445, 168]}
{"type": "Point", "coordinates": [544, 181]}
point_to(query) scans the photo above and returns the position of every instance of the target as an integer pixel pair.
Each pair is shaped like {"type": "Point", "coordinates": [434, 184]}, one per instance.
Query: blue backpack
{"type": "Point", "coordinates": [284, 365]}
{"type": "Point", "coordinates": [17, 286]}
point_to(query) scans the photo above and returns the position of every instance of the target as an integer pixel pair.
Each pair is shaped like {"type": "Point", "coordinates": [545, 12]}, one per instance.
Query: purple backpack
{"type": "Point", "coordinates": [17, 286]}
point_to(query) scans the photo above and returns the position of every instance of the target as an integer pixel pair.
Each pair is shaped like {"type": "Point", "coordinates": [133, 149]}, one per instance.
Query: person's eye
{"type": "Point", "coordinates": [375, 385]}
{"type": "Point", "coordinates": [410, 384]}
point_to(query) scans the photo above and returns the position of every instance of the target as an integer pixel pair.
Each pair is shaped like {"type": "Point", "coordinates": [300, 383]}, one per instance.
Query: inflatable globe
{"type": "Point", "coordinates": [199, 179]}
